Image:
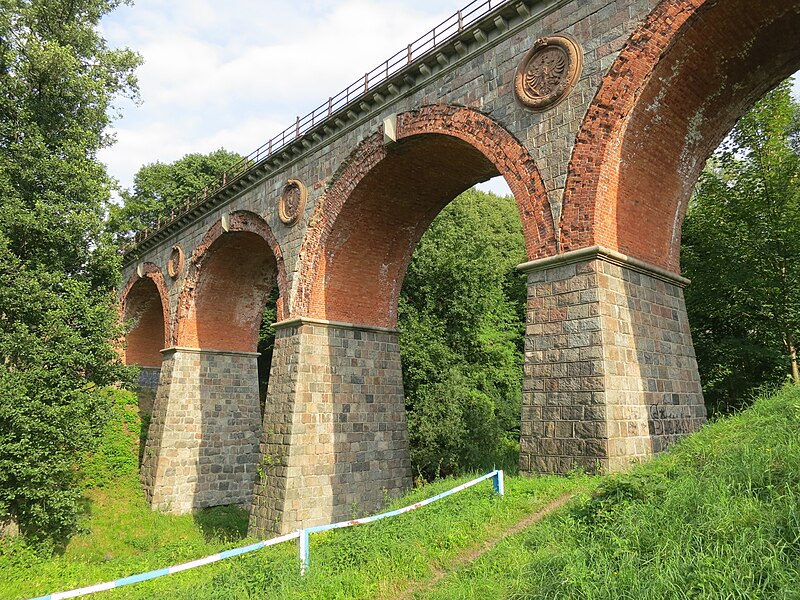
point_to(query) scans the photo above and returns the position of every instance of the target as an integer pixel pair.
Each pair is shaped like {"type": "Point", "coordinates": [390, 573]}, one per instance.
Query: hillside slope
{"type": "Point", "coordinates": [717, 517]}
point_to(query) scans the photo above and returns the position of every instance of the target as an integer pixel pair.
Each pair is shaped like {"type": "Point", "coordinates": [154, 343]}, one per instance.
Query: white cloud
{"type": "Point", "coordinates": [237, 73]}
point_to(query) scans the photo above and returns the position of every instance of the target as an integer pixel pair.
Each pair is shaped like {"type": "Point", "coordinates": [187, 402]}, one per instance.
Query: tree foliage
{"type": "Point", "coordinates": [159, 188]}
{"type": "Point", "coordinates": [741, 250]}
{"type": "Point", "coordinates": [461, 315]}
{"type": "Point", "coordinates": [58, 272]}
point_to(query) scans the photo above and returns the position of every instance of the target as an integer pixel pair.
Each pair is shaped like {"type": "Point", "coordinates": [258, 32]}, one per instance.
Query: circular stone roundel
{"type": "Point", "coordinates": [293, 201]}
{"type": "Point", "coordinates": [548, 72]}
{"type": "Point", "coordinates": [175, 262]}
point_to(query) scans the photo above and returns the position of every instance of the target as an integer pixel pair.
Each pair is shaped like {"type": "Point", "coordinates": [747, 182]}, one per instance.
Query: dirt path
{"type": "Point", "coordinates": [474, 553]}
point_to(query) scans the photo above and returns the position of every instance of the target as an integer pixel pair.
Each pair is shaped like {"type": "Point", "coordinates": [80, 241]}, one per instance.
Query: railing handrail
{"type": "Point", "coordinates": [426, 43]}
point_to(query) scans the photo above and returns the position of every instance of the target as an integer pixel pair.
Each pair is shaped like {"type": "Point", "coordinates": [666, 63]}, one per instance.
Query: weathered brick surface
{"type": "Point", "coordinates": [202, 446]}
{"type": "Point", "coordinates": [610, 372]}
{"type": "Point", "coordinates": [685, 75]}
{"type": "Point", "coordinates": [228, 280]}
{"type": "Point", "coordinates": [441, 151]}
{"type": "Point", "coordinates": [144, 305]}
{"type": "Point", "coordinates": [334, 442]}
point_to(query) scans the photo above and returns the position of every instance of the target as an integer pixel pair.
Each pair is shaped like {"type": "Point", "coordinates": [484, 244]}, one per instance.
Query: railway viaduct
{"type": "Point", "coordinates": [599, 114]}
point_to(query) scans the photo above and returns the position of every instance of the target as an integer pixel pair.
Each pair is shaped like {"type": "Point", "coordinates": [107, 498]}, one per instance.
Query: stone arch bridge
{"type": "Point", "coordinates": [598, 113]}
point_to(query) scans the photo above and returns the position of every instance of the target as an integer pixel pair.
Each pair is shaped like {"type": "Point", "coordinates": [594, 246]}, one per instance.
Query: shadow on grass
{"type": "Point", "coordinates": [222, 523]}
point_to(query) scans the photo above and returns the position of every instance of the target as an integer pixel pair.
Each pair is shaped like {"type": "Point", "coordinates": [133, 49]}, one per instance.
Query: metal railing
{"type": "Point", "coordinates": [425, 44]}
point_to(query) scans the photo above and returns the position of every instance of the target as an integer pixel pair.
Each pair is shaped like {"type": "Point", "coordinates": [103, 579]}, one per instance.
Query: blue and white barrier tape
{"type": "Point", "coordinates": [101, 587]}
{"type": "Point", "coordinates": [302, 536]}
{"type": "Point", "coordinates": [499, 488]}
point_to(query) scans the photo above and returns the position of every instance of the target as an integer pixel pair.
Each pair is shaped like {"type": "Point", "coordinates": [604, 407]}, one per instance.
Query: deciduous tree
{"type": "Point", "coordinates": [159, 188]}
{"type": "Point", "coordinates": [462, 319]}
{"type": "Point", "coordinates": [741, 248]}
{"type": "Point", "coordinates": [58, 321]}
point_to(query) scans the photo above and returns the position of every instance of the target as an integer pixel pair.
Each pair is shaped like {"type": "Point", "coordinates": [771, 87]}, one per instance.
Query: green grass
{"type": "Point", "coordinates": [717, 517]}
{"type": "Point", "coordinates": [123, 537]}
{"type": "Point", "coordinates": [127, 538]}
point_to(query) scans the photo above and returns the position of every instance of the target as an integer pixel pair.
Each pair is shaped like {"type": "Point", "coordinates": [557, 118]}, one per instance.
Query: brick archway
{"type": "Point", "coordinates": [384, 197]}
{"type": "Point", "coordinates": [145, 301]}
{"type": "Point", "coordinates": [689, 71]}
{"type": "Point", "coordinates": [230, 276]}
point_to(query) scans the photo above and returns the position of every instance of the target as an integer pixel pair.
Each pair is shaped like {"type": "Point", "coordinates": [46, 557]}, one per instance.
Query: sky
{"type": "Point", "coordinates": [233, 73]}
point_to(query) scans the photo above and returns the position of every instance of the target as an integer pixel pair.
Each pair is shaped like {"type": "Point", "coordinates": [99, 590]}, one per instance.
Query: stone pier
{"type": "Point", "coordinates": [202, 445]}
{"type": "Point", "coordinates": [610, 371]}
{"type": "Point", "coordinates": [334, 441]}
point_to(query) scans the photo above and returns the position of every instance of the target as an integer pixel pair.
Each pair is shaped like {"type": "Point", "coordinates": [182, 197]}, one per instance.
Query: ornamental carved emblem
{"type": "Point", "coordinates": [293, 201]}
{"type": "Point", "coordinates": [175, 262]}
{"type": "Point", "coordinates": [548, 72]}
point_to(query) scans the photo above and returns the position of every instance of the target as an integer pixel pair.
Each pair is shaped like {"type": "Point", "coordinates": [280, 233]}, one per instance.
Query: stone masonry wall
{"type": "Point", "coordinates": [564, 401]}
{"type": "Point", "coordinates": [610, 373]}
{"type": "Point", "coordinates": [335, 440]}
{"type": "Point", "coordinates": [653, 385]}
{"type": "Point", "coordinates": [148, 377]}
{"type": "Point", "coordinates": [202, 445]}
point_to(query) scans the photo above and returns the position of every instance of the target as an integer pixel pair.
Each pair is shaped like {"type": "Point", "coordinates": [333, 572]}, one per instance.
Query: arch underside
{"type": "Point", "coordinates": [678, 87]}
{"type": "Point", "coordinates": [232, 288]}
{"type": "Point", "coordinates": [144, 309]}
{"type": "Point", "coordinates": [384, 199]}
{"type": "Point", "coordinates": [232, 272]}
{"type": "Point", "coordinates": [361, 271]}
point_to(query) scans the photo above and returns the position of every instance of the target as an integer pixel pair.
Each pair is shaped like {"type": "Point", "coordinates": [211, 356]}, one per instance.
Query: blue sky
{"type": "Point", "coordinates": [233, 73]}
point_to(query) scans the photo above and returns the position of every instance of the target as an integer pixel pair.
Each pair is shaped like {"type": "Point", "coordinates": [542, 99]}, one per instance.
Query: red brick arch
{"type": "Point", "coordinates": [227, 284]}
{"type": "Point", "coordinates": [369, 220]}
{"type": "Point", "coordinates": [145, 300]}
{"type": "Point", "coordinates": [689, 71]}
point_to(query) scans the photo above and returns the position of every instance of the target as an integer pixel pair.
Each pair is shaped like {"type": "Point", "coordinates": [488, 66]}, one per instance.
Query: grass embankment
{"type": "Point", "coordinates": [717, 517]}
{"type": "Point", "coordinates": [124, 537]}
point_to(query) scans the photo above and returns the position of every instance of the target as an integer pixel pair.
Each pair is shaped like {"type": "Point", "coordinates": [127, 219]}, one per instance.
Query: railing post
{"type": "Point", "coordinates": [499, 484]}
{"type": "Point", "coordinates": [409, 54]}
{"type": "Point", "coordinates": [460, 21]}
{"type": "Point", "coordinates": [302, 543]}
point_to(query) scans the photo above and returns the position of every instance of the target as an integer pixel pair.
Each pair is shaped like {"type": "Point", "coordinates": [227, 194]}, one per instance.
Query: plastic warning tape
{"type": "Point", "coordinates": [101, 587]}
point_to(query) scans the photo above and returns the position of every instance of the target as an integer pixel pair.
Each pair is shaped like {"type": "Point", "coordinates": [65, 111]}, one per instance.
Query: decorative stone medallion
{"type": "Point", "coordinates": [548, 72]}
{"type": "Point", "coordinates": [175, 262]}
{"type": "Point", "coordinates": [293, 201]}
